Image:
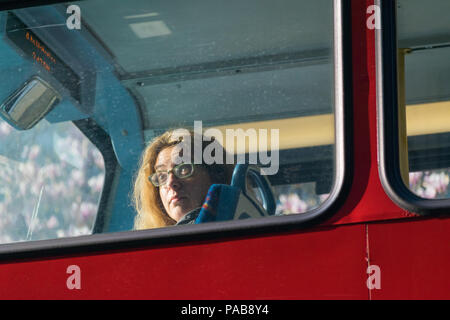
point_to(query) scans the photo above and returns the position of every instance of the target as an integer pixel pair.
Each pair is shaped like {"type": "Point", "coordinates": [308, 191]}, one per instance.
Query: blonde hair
{"type": "Point", "coordinates": [146, 199]}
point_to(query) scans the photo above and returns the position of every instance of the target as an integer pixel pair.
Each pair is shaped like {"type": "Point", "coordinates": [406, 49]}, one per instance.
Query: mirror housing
{"type": "Point", "coordinates": [29, 104]}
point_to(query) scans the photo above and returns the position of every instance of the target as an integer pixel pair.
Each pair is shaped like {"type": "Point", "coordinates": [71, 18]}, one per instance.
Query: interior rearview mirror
{"type": "Point", "coordinates": [29, 104]}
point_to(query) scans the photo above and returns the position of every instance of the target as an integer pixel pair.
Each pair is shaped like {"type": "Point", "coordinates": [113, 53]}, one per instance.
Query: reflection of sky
{"type": "Point", "coordinates": [10, 146]}
{"type": "Point", "coordinates": [66, 152]}
{"type": "Point", "coordinates": [13, 142]}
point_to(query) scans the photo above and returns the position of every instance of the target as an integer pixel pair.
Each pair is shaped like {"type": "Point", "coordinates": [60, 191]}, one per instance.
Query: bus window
{"type": "Point", "coordinates": [257, 76]}
{"type": "Point", "coordinates": [51, 179]}
{"type": "Point", "coordinates": [255, 70]}
{"type": "Point", "coordinates": [424, 74]}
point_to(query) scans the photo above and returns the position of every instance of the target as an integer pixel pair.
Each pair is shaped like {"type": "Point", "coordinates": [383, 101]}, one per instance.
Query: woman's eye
{"type": "Point", "coordinates": [161, 176]}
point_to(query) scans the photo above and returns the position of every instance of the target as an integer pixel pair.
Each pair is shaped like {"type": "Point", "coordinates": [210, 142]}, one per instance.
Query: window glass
{"type": "Point", "coordinates": [424, 75]}
{"type": "Point", "coordinates": [256, 75]}
{"type": "Point", "coordinates": [51, 179]}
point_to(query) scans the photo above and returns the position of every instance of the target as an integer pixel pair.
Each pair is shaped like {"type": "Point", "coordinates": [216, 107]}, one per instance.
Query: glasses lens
{"type": "Point", "coordinates": [184, 170]}
{"type": "Point", "coordinates": [158, 178]}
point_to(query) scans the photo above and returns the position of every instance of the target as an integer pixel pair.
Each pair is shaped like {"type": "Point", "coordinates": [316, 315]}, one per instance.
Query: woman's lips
{"type": "Point", "coordinates": [176, 199]}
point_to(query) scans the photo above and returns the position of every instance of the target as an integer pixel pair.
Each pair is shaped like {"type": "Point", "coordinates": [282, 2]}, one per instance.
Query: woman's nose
{"type": "Point", "coordinates": [173, 182]}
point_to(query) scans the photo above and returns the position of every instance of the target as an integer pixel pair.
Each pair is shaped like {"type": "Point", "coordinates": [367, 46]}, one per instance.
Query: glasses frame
{"type": "Point", "coordinates": [173, 170]}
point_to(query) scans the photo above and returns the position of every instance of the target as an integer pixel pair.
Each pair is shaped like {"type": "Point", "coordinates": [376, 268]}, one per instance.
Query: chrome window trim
{"type": "Point", "coordinates": [387, 111]}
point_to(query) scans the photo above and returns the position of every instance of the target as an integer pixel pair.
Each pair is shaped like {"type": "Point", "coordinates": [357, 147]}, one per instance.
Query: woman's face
{"type": "Point", "coordinates": [179, 196]}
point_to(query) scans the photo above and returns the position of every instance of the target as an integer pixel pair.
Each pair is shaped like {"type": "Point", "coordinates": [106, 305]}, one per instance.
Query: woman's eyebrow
{"type": "Point", "coordinates": [159, 166]}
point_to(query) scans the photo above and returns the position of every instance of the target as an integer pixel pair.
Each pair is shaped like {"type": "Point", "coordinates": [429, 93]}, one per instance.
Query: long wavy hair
{"type": "Point", "coordinates": [146, 199]}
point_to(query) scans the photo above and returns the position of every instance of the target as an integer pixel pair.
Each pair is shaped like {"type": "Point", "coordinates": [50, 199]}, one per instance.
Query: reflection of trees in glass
{"type": "Point", "coordinates": [51, 178]}
{"type": "Point", "coordinates": [297, 198]}
{"type": "Point", "coordinates": [432, 184]}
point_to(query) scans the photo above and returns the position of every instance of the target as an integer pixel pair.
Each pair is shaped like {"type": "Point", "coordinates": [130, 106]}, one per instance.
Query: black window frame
{"type": "Point", "coordinates": [388, 128]}
{"type": "Point", "coordinates": [101, 140]}
{"type": "Point", "coordinates": [221, 231]}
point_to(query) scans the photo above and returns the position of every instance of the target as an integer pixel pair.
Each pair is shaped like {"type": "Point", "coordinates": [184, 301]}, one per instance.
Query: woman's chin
{"type": "Point", "coordinates": [179, 212]}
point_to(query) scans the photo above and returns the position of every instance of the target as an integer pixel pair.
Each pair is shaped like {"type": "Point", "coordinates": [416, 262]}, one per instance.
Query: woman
{"type": "Point", "coordinates": [167, 192]}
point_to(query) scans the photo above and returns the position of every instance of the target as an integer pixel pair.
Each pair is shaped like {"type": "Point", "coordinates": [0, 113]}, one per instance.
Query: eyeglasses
{"type": "Point", "coordinates": [181, 171]}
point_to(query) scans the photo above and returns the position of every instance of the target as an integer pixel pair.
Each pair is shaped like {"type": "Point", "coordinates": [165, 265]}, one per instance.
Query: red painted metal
{"type": "Point", "coordinates": [367, 200]}
{"type": "Point", "coordinates": [413, 258]}
{"type": "Point", "coordinates": [328, 263]}
{"type": "Point", "coordinates": [325, 262]}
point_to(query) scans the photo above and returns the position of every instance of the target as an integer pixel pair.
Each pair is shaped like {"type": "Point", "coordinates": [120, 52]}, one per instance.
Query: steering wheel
{"type": "Point", "coordinates": [231, 202]}
{"type": "Point", "coordinates": [239, 180]}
